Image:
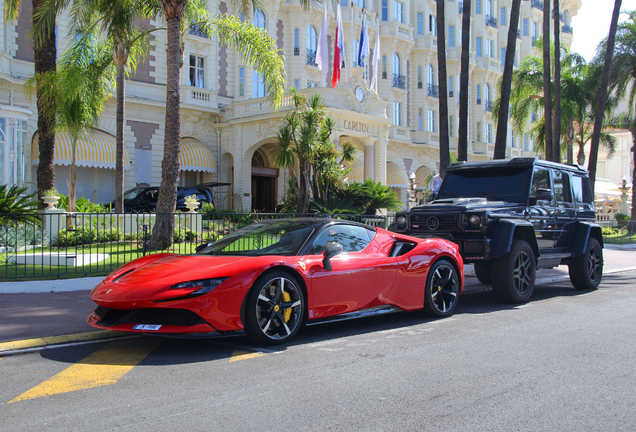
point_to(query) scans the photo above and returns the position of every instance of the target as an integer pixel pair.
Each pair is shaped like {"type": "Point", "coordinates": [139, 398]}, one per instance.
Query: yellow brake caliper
{"type": "Point", "coordinates": [286, 312]}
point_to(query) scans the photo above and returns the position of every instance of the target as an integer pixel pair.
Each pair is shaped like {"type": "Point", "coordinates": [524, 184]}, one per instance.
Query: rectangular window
{"type": "Point", "coordinates": [451, 36]}
{"type": "Point", "coordinates": [432, 25]}
{"type": "Point", "coordinates": [503, 16]}
{"type": "Point", "coordinates": [503, 56]}
{"type": "Point", "coordinates": [399, 12]}
{"type": "Point", "coordinates": [478, 131]}
{"type": "Point", "coordinates": [396, 113]}
{"type": "Point", "coordinates": [311, 84]}
{"type": "Point", "coordinates": [297, 84]}
{"type": "Point", "coordinates": [450, 86]}
{"type": "Point", "coordinates": [477, 6]}
{"type": "Point", "coordinates": [419, 119]}
{"type": "Point", "coordinates": [241, 81]}
{"type": "Point", "coordinates": [478, 46]}
{"type": "Point", "coordinates": [385, 10]}
{"type": "Point", "coordinates": [450, 126]}
{"type": "Point", "coordinates": [491, 49]}
{"type": "Point", "coordinates": [197, 71]}
{"type": "Point", "coordinates": [525, 26]}
{"type": "Point", "coordinates": [258, 85]}
{"type": "Point", "coordinates": [534, 29]}
{"type": "Point", "coordinates": [420, 23]}
{"type": "Point", "coordinates": [431, 121]}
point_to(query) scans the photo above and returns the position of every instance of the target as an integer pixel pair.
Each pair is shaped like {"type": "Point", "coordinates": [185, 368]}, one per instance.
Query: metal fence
{"type": "Point", "coordinates": [65, 245]}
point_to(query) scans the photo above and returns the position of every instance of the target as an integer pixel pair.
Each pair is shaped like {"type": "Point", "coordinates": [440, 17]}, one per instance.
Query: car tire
{"type": "Point", "coordinates": [274, 308]}
{"type": "Point", "coordinates": [586, 270]}
{"type": "Point", "coordinates": [513, 274]}
{"type": "Point", "coordinates": [442, 289]}
{"type": "Point", "coordinates": [482, 271]}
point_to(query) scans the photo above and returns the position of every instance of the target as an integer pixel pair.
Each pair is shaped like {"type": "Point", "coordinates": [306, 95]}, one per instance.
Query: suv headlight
{"type": "Point", "coordinates": [474, 221]}
{"type": "Point", "coordinates": [400, 222]}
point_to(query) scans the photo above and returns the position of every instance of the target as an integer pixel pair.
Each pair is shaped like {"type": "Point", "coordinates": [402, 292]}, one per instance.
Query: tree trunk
{"type": "Point", "coordinates": [163, 231]}
{"type": "Point", "coordinates": [556, 141]}
{"type": "Point", "coordinates": [45, 62]}
{"type": "Point", "coordinates": [602, 95]}
{"type": "Point", "coordinates": [120, 58]}
{"type": "Point", "coordinates": [547, 83]}
{"type": "Point", "coordinates": [444, 145]}
{"type": "Point", "coordinates": [504, 105]}
{"type": "Point", "coordinates": [462, 140]}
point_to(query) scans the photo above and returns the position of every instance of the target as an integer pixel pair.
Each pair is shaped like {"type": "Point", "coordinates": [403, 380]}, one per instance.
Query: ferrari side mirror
{"type": "Point", "coordinates": [329, 251]}
{"type": "Point", "coordinates": [202, 246]}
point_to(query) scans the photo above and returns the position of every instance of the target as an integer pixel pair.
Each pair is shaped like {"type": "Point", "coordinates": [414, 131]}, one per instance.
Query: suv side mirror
{"type": "Point", "coordinates": [329, 251]}
{"type": "Point", "coordinates": [544, 194]}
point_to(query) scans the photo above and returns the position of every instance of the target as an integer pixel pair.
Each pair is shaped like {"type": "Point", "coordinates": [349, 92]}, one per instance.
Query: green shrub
{"type": "Point", "coordinates": [82, 205]}
{"type": "Point", "coordinates": [181, 235]}
{"type": "Point", "coordinates": [22, 235]}
{"type": "Point", "coordinates": [22, 207]}
{"type": "Point", "coordinates": [609, 231]}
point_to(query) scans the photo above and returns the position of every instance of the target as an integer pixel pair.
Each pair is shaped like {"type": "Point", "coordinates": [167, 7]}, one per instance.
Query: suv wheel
{"type": "Point", "coordinates": [513, 274]}
{"type": "Point", "coordinates": [482, 271]}
{"type": "Point", "coordinates": [586, 270]}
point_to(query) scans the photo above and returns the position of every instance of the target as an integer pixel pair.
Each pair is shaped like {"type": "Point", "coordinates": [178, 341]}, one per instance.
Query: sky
{"type": "Point", "coordinates": [591, 24]}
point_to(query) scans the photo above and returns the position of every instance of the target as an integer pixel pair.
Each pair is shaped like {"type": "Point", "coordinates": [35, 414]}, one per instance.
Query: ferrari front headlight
{"type": "Point", "coordinates": [204, 285]}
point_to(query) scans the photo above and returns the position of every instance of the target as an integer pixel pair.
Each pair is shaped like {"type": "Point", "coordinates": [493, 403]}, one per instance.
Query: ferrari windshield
{"type": "Point", "coordinates": [510, 184]}
{"type": "Point", "coordinates": [283, 237]}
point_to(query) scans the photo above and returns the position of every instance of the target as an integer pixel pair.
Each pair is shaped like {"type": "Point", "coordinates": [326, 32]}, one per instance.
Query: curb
{"type": "Point", "coordinates": [27, 345]}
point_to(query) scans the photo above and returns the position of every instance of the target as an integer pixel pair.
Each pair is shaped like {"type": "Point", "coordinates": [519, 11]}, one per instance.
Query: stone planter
{"type": "Point", "coordinates": [192, 206]}
{"type": "Point", "coordinates": [50, 201]}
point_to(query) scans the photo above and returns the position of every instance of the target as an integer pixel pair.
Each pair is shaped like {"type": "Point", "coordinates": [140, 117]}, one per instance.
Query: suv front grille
{"type": "Point", "coordinates": [434, 222]}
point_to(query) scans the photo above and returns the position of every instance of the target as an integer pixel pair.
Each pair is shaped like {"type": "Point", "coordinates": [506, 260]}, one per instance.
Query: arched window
{"type": "Point", "coordinates": [312, 38]}
{"type": "Point", "coordinates": [487, 95]}
{"type": "Point", "coordinates": [396, 64]}
{"type": "Point", "coordinates": [478, 94]}
{"type": "Point", "coordinates": [419, 76]}
{"type": "Point", "coordinates": [296, 42]}
{"type": "Point", "coordinates": [259, 19]}
{"type": "Point", "coordinates": [431, 74]}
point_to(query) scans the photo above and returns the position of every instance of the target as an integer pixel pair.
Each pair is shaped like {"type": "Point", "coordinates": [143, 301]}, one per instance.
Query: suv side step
{"type": "Point", "coordinates": [547, 260]}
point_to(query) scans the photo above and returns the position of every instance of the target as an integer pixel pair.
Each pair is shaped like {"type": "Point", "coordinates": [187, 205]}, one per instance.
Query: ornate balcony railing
{"type": "Point", "coordinates": [567, 29]}
{"type": "Point", "coordinates": [491, 21]}
{"type": "Point", "coordinates": [419, 84]}
{"type": "Point", "coordinates": [488, 106]}
{"type": "Point", "coordinates": [478, 101]}
{"type": "Point", "coordinates": [383, 74]}
{"type": "Point", "coordinates": [197, 30]}
{"type": "Point", "coordinates": [537, 4]}
{"type": "Point", "coordinates": [311, 57]}
{"type": "Point", "coordinates": [296, 51]}
{"type": "Point", "coordinates": [450, 93]}
{"type": "Point", "coordinates": [433, 90]}
{"type": "Point", "coordinates": [399, 81]}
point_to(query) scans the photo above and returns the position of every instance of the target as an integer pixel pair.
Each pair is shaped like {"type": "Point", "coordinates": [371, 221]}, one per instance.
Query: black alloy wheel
{"type": "Point", "coordinates": [586, 270]}
{"type": "Point", "coordinates": [513, 274]}
{"type": "Point", "coordinates": [442, 289]}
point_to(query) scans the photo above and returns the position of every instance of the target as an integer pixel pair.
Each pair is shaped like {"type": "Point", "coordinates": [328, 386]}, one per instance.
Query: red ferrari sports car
{"type": "Point", "coordinates": [269, 278]}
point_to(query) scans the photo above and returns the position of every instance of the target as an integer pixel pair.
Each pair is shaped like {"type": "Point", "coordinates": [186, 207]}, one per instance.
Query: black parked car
{"type": "Point", "coordinates": [143, 199]}
{"type": "Point", "coordinates": [510, 217]}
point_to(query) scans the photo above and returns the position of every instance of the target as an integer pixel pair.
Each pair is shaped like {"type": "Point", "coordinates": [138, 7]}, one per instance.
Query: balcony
{"type": "Point", "coordinates": [491, 21]}
{"type": "Point", "coordinates": [399, 81]}
{"type": "Point", "coordinates": [311, 57]}
{"type": "Point", "coordinates": [537, 4]}
{"type": "Point", "coordinates": [433, 90]}
{"type": "Point", "coordinates": [567, 29]}
{"type": "Point", "coordinates": [488, 106]}
{"type": "Point", "coordinates": [296, 51]}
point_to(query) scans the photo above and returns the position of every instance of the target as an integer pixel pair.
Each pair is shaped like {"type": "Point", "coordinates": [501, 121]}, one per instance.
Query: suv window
{"type": "Point", "coordinates": [562, 187]}
{"type": "Point", "coordinates": [498, 184]}
{"type": "Point", "coordinates": [581, 189]}
{"type": "Point", "coordinates": [540, 180]}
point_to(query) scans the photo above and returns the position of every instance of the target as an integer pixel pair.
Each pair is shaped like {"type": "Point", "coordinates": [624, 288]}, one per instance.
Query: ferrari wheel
{"type": "Point", "coordinates": [274, 309]}
{"type": "Point", "coordinates": [442, 290]}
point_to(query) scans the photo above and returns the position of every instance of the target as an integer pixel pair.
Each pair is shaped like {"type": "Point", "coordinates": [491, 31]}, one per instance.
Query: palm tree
{"type": "Point", "coordinates": [556, 139]}
{"type": "Point", "coordinates": [547, 87]}
{"type": "Point", "coordinates": [622, 78]}
{"type": "Point", "coordinates": [506, 82]}
{"type": "Point", "coordinates": [444, 146]}
{"type": "Point", "coordinates": [45, 55]}
{"type": "Point", "coordinates": [462, 140]}
{"type": "Point", "coordinates": [602, 98]}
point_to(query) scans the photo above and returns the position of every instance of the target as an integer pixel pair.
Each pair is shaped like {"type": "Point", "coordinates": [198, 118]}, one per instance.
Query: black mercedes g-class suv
{"type": "Point", "coordinates": [510, 217]}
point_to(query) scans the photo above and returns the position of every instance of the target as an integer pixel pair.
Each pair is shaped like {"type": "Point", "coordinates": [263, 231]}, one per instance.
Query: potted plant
{"type": "Point", "coordinates": [50, 198]}
{"type": "Point", "coordinates": [191, 203]}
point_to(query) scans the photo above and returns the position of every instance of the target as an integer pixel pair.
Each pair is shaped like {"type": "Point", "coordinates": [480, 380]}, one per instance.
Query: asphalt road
{"type": "Point", "coordinates": [564, 362]}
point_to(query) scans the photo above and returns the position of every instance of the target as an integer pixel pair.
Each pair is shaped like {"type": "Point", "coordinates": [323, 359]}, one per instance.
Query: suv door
{"type": "Point", "coordinates": [542, 207]}
{"type": "Point", "coordinates": [582, 191]}
{"type": "Point", "coordinates": [565, 215]}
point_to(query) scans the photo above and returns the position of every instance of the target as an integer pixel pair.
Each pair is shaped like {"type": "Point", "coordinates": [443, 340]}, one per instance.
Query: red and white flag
{"type": "Point", "coordinates": [339, 51]}
{"type": "Point", "coordinates": [322, 51]}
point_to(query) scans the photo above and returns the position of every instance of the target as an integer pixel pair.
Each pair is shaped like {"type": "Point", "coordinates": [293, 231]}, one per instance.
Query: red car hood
{"type": "Point", "coordinates": [148, 279]}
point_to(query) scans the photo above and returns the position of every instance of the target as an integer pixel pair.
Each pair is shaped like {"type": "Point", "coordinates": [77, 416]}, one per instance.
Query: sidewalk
{"type": "Point", "coordinates": [41, 309]}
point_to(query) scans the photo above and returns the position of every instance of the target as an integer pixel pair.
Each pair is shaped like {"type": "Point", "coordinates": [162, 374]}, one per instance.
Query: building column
{"type": "Point", "coordinates": [369, 159]}
{"type": "Point", "coordinates": [380, 147]}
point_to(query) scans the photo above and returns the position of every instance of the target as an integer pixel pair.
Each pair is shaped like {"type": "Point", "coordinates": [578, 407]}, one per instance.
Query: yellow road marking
{"type": "Point", "coordinates": [244, 355]}
{"type": "Point", "coordinates": [103, 367]}
{"type": "Point", "coordinates": [39, 342]}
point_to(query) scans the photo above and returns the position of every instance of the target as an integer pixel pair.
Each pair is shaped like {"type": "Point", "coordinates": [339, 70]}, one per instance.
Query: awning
{"type": "Point", "coordinates": [395, 176]}
{"type": "Point", "coordinates": [421, 175]}
{"type": "Point", "coordinates": [196, 156]}
{"type": "Point", "coordinates": [94, 149]}
{"type": "Point", "coordinates": [604, 188]}
{"type": "Point", "coordinates": [357, 171]}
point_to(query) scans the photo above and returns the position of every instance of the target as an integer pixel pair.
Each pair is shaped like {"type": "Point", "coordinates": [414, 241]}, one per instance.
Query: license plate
{"type": "Point", "coordinates": [148, 327]}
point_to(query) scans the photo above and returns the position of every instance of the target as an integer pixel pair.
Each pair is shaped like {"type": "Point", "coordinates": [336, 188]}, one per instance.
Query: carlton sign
{"type": "Point", "coordinates": [356, 126]}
